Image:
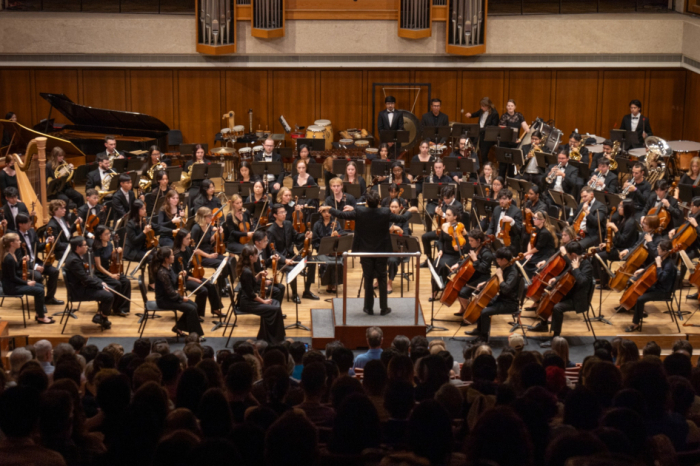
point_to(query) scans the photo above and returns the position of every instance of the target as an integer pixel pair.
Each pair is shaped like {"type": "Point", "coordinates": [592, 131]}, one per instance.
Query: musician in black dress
{"type": "Point", "coordinates": [423, 156]}
{"type": "Point", "coordinates": [183, 255]}
{"type": "Point", "coordinates": [257, 194]}
{"type": "Point", "coordinates": [635, 121]}
{"type": "Point", "coordinates": [488, 176]}
{"type": "Point", "coordinates": [351, 176]}
{"type": "Point", "coordinates": [124, 198]}
{"type": "Point", "coordinates": [238, 226]}
{"type": "Point", "coordinates": [448, 198]}
{"type": "Point", "coordinates": [450, 250]}
{"type": "Point", "coordinates": [506, 212]}
{"type": "Point", "coordinates": [545, 243]}
{"type": "Point", "coordinates": [506, 301]}
{"type": "Point", "coordinates": [593, 215]}
{"type": "Point", "coordinates": [197, 157]}
{"type": "Point", "coordinates": [303, 178]}
{"type": "Point", "coordinates": [206, 197]}
{"type": "Point", "coordinates": [625, 235]}
{"type": "Point", "coordinates": [204, 241]}
{"type": "Point", "coordinates": [33, 246]}
{"type": "Point", "coordinates": [62, 230]}
{"type": "Point", "coordinates": [439, 177]}
{"type": "Point", "coordinates": [269, 310]}
{"type": "Point", "coordinates": [170, 218]}
{"type": "Point", "coordinates": [66, 193]}
{"type": "Point", "coordinates": [323, 228]}
{"type": "Point", "coordinates": [245, 173]}
{"type": "Point", "coordinates": [8, 177]}
{"type": "Point", "coordinates": [13, 207]}
{"type": "Point", "coordinates": [693, 251]}
{"type": "Point", "coordinates": [150, 167]}
{"type": "Point", "coordinates": [660, 199]}
{"type": "Point", "coordinates": [488, 116]}
{"type": "Point", "coordinates": [162, 186]}
{"type": "Point", "coordinates": [284, 198]}
{"type": "Point", "coordinates": [167, 296]}
{"type": "Point", "coordinates": [649, 238]}
{"type": "Point", "coordinates": [102, 250]}
{"type": "Point", "coordinates": [304, 154]}
{"type": "Point", "coordinates": [481, 256]}
{"type": "Point", "coordinates": [14, 284]}
{"type": "Point", "coordinates": [690, 177]}
{"type": "Point", "coordinates": [136, 231]}
{"type": "Point", "coordinates": [515, 120]}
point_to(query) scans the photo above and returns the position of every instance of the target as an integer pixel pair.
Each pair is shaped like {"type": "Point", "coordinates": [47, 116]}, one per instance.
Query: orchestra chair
{"type": "Point", "coordinates": [70, 300]}
{"type": "Point", "coordinates": [234, 308]}
{"type": "Point", "coordinates": [587, 315]}
{"type": "Point", "coordinates": [21, 298]}
{"type": "Point", "coordinates": [671, 301]}
{"type": "Point", "coordinates": [150, 307]}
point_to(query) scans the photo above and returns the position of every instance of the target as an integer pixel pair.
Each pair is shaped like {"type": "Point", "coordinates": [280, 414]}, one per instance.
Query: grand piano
{"type": "Point", "coordinates": [133, 131]}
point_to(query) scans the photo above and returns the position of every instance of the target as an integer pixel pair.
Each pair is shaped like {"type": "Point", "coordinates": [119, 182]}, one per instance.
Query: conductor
{"type": "Point", "coordinates": [371, 235]}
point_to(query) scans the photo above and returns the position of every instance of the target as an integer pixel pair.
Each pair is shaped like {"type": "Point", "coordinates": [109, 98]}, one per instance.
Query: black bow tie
{"type": "Point", "coordinates": [635, 118]}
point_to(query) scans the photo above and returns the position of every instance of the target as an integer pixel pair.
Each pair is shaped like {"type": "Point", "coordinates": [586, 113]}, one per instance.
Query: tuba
{"type": "Point", "coordinates": [657, 150]}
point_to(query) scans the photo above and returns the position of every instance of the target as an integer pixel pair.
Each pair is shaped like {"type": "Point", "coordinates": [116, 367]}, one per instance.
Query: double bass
{"type": "Point", "coordinates": [479, 302]}
{"type": "Point", "coordinates": [463, 275]}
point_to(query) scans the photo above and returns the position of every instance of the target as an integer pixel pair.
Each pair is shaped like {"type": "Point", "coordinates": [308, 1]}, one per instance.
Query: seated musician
{"type": "Point", "coordinates": [545, 243]}
{"type": "Point", "coordinates": [239, 226]}
{"type": "Point", "coordinates": [439, 177]}
{"type": "Point", "coordinates": [399, 228]}
{"type": "Point", "coordinates": [14, 284]}
{"type": "Point", "coordinates": [662, 288]}
{"type": "Point", "coordinates": [450, 251]}
{"type": "Point", "coordinates": [506, 212]}
{"type": "Point", "coordinates": [563, 176]}
{"type": "Point", "coordinates": [91, 209]}
{"type": "Point", "coordinates": [13, 207]}
{"type": "Point", "coordinates": [660, 200]}
{"type": "Point", "coordinates": [33, 246]}
{"type": "Point", "coordinates": [383, 153]}
{"type": "Point", "coordinates": [693, 250]}
{"type": "Point", "coordinates": [206, 197]}
{"type": "Point", "coordinates": [182, 247]}
{"type": "Point", "coordinates": [158, 191]}
{"type": "Point", "coordinates": [638, 189]}
{"type": "Point", "coordinates": [337, 198]}
{"type": "Point", "coordinates": [257, 194]}
{"type": "Point", "coordinates": [302, 178]}
{"type": "Point", "coordinates": [604, 179]}
{"type": "Point", "coordinates": [324, 228]}
{"type": "Point", "coordinates": [351, 176]}
{"type": "Point", "coordinates": [691, 176]}
{"type": "Point", "coordinates": [150, 167]}
{"type": "Point", "coordinates": [101, 177]}
{"type": "Point", "coordinates": [102, 250]}
{"type": "Point", "coordinates": [245, 173]}
{"type": "Point", "coordinates": [85, 287]}
{"type": "Point", "coordinates": [625, 235]}
{"type": "Point", "coordinates": [304, 154]}
{"type": "Point", "coordinates": [136, 230]}
{"type": "Point", "coordinates": [533, 204]}
{"type": "Point", "coordinates": [448, 198]}
{"type": "Point", "coordinates": [204, 240]}
{"type": "Point", "coordinates": [506, 301]}
{"type": "Point", "coordinates": [394, 194]}
{"type": "Point", "coordinates": [531, 171]}
{"type": "Point", "coordinates": [249, 300]}
{"type": "Point", "coordinates": [274, 182]}
{"type": "Point", "coordinates": [170, 218]}
{"type": "Point", "coordinates": [590, 219]}
{"type": "Point", "coordinates": [398, 174]}
{"type": "Point", "coordinates": [578, 298]}
{"type": "Point", "coordinates": [460, 153]}
{"type": "Point", "coordinates": [62, 230]}
{"type": "Point", "coordinates": [199, 156]}
{"type": "Point", "coordinates": [282, 234]}
{"type": "Point", "coordinates": [576, 143]}
{"type": "Point", "coordinates": [284, 198]}
{"type": "Point", "coordinates": [124, 198]}
{"type": "Point", "coordinates": [607, 153]}
{"type": "Point", "coordinates": [488, 175]}
{"type": "Point", "coordinates": [650, 238]}
{"type": "Point", "coordinates": [167, 296]}
{"type": "Point", "coordinates": [66, 193]}
{"type": "Point", "coordinates": [111, 149]}
{"type": "Point", "coordinates": [421, 157]}
{"type": "Point", "coordinates": [265, 256]}
{"type": "Point", "coordinates": [481, 257]}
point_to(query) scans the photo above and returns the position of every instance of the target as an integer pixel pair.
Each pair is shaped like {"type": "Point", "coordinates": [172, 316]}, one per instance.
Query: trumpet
{"type": "Point", "coordinates": [625, 192]}
{"type": "Point", "coordinates": [552, 174]}
{"type": "Point", "coordinates": [594, 180]}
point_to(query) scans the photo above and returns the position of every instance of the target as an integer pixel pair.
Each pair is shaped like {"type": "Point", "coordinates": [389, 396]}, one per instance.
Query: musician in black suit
{"type": "Point", "coordinates": [85, 287]}
{"type": "Point", "coordinates": [488, 116]}
{"type": "Point", "coordinates": [660, 198]}
{"type": "Point", "coordinates": [33, 246]}
{"type": "Point", "coordinates": [390, 119]}
{"type": "Point", "coordinates": [274, 182]}
{"type": "Point", "coordinates": [635, 121]}
{"type": "Point", "coordinates": [580, 295]}
{"type": "Point", "coordinates": [62, 229]}
{"type": "Point", "coordinates": [607, 153]}
{"type": "Point", "coordinates": [604, 179]}
{"type": "Point", "coordinates": [625, 235]}
{"type": "Point", "coordinates": [372, 235]}
{"type": "Point", "coordinates": [596, 214]}
{"type": "Point", "coordinates": [507, 212]}
{"type": "Point", "coordinates": [434, 117]}
{"type": "Point", "coordinates": [13, 207]}
{"type": "Point", "coordinates": [92, 206]}
{"type": "Point", "coordinates": [567, 177]}
{"type": "Point", "coordinates": [111, 149]}
{"type": "Point", "coordinates": [638, 189]}
{"type": "Point", "coordinates": [124, 198]}
{"type": "Point", "coordinates": [265, 255]}
{"type": "Point", "coordinates": [576, 142]}
{"type": "Point", "coordinates": [337, 198]}
{"type": "Point", "coordinates": [94, 178]}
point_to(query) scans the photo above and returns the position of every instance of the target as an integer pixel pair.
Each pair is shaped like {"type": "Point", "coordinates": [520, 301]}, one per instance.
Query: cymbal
{"type": "Point", "coordinates": [223, 151]}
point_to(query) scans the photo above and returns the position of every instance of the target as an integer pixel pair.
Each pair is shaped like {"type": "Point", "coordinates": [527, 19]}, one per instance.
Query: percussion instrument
{"type": "Point", "coordinates": [550, 135]}
{"type": "Point", "coordinates": [245, 153]}
{"type": "Point", "coordinates": [372, 152]}
{"type": "Point", "coordinates": [436, 148]}
{"type": "Point", "coordinates": [362, 143]}
{"type": "Point", "coordinates": [354, 133]}
{"type": "Point", "coordinates": [636, 154]}
{"type": "Point", "coordinates": [296, 135]}
{"type": "Point", "coordinates": [595, 148]}
{"type": "Point", "coordinates": [225, 133]}
{"type": "Point", "coordinates": [346, 142]}
{"type": "Point", "coordinates": [684, 151]}
{"type": "Point", "coordinates": [238, 131]}
{"type": "Point", "coordinates": [598, 141]}
{"type": "Point", "coordinates": [327, 132]}
{"type": "Point", "coordinates": [222, 151]}
{"type": "Point", "coordinates": [315, 132]}
{"type": "Point", "coordinates": [228, 153]}
{"type": "Point", "coordinates": [257, 150]}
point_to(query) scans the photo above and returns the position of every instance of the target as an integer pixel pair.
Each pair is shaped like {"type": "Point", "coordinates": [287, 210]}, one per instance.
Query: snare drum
{"type": "Point", "coordinates": [346, 142]}
{"type": "Point", "coordinates": [683, 152]}
{"type": "Point", "coordinates": [315, 132]}
{"type": "Point", "coordinates": [362, 143]}
{"type": "Point", "coordinates": [225, 133]}
{"type": "Point", "coordinates": [372, 153]}
{"type": "Point", "coordinates": [238, 131]}
{"type": "Point", "coordinates": [245, 153]}
{"type": "Point", "coordinates": [638, 153]}
{"type": "Point", "coordinates": [327, 130]}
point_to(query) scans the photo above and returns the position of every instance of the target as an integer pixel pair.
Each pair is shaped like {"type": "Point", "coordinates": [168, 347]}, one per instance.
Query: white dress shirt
{"type": "Point", "coordinates": [390, 116]}
{"type": "Point", "coordinates": [482, 120]}
{"type": "Point", "coordinates": [635, 121]}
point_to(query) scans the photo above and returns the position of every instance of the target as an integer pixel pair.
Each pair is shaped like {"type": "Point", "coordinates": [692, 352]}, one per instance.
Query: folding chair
{"type": "Point", "coordinates": [150, 307]}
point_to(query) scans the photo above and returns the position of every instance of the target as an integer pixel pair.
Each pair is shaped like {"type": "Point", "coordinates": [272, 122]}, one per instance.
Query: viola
{"type": "Point", "coordinates": [440, 219]}
{"type": "Point", "coordinates": [298, 218]}
{"type": "Point", "coordinates": [642, 284]}
{"type": "Point", "coordinates": [662, 212]}
{"type": "Point", "coordinates": [479, 301]}
{"type": "Point", "coordinates": [197, 269]}
{"type": "Point", "coordinates": [349, 225]}
{"type": "Point", "coordinates": [49, 256]}
{"type": "Point", "coordinates": [116, 265]}
{"type": "Point", "coordinates": [457, 231]}
{"type": "Point", "coordinates": [634, 261]}
{"type": "Point", "coordinates": [533, 239]}
{"type": "Point", "coordinates": [219, 247]}
{"type": "Point", "coordinates": [529, 227]}
{"type": "Point", "coordinates": [92, 221]}
{"type": "Point", "coordinates": [554, 266]}
{"type": "Point", "coordinates": [609, 233]}
{"type": "Point", "coordinates": [463, 275]}
{"type": "Point", "coordinates": [307, 244]}
{"type": "Point", "coordinates": [244, 227]}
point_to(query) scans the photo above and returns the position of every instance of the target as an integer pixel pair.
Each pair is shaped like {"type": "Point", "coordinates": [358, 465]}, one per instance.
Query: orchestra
{"type": "Point", "coordinates": [582, 224]}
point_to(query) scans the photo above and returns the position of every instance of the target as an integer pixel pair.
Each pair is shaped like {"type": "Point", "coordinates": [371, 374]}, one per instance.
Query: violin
{"type": "Point", "coordinates": [265, 215]}
{"type": "Point", "coordinates": [78, 226]}
{"type": "Point", "coordinates": [180, 213]}
{"type": "Point", "coordinates": [662, 212]}
{"type": "Point", "coordinates": [554, 266]}
{"type": "Point", "coordinates": [307, 244]}
{"type": "Point", "coordinates": [349, 225]}
{"type": "Point", "coordinates": [463, 275]}
{"type": "Point", "coordinates": [609, 233]}
{"type": "Point", "coordinates": [244, 227]}
{"type": "Point", "coordinates": [219, 247]}
{"type": "Point", "coordinates": [92, 221]}
{"type": "Point", "coordinates": [298, 218]}
{"type": "Point", "coordinates": [49, 256]}
{"type": "Point", "coordinates": [181, 279]}
{"type": "Point", "coordinates": [457, 231]}
{"type": "Point", "coordinates": [634, 261]}
{"type": "Point", "coordinates": [197, 269]}
{"type": "Point", "coordinates": [440, 219]}
{"type": "Point", "coordinates": [116, 265]}
{"type": "Point", "coordinates": [642, 283]}
{"type": "Point", "coordinates": [479, 301]}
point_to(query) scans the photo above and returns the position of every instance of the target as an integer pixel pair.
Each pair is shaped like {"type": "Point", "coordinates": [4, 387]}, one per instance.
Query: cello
{"type": "Point", "coordinates": [559, 291]}
{"type": "Point", "coordinates": [642, 283]}
{"type": "Point", "coordinates": [685, 236]}
{"type": "Point", "coordinates": [609, 233]}
{"type": "Point", "coordinates": [479, 302]}
{"type": "Point", "coordinates": [554, 266]}
{"type": "Point", "coordinates": [634, 261]}
{"type": "Point", "coordinates": [463, 275]}
{"type": "Point", "coordinates": [662, 212]}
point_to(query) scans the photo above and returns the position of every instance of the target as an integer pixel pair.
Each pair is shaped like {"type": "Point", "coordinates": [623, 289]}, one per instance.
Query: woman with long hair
{"type": "Point", "coordinates": [136, 230]}
{"type": "Point", "coordinates": [245, 173]}
{"type": "Point", "coordinates": [150, 167]}
{"type": "Point", "coordinates": [8, 177]}
{"type": "Point", "coordinates": [198, 156]}
{"type": "Point", "coordinates": [269, 310]}
{"type": "Point", "coordinates": [102, 249]}
{"type": "Point", "coordinates": [305, 154]}
{"type": "Point", "coordinates": [353, 177]}
{"type": "Point", "coordinates": [238, 225]}
{"type": "Point", "coordinates": [167, 296]}
{"type": "Point", "coordinates": [206, 197]}
{"type": "Point", "coordinates": [693, 172]}
{"type": "Point", "coordinates": [257, 194]}
{"type": "Point", "coordinates": [67, 193]}
{"type": "Point", "coordinates": [625, 233]}
{"type": "Point", "coordinates": [170, 218]}
{"type": "Point", "coordinates": [515, 120]}
{"type": "Point", "coordinates": [546, 243]}
{"type": "Point", "coordinates": [450, 254]}
{"type": "Point", "coordinates": [204, 241]}
{"type": "Point", "coordinates": [488, 116]}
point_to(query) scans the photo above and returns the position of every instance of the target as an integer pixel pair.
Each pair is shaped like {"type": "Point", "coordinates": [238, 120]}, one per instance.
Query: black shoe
{"type": "Point", "coordinates": [424, 265]}
{"type": "Point", "coordinates": [478, 340]}
{"type": "Point", "coordinates": [546, 344]}
{"type": "Point", "coordinates": [458, 314]}
{"type": "Point", "coordinates": [633, 328]}
{"type": "Point", "coordinates": [120, 314]}
{"type": "Point", "coordinates": [464, 323]}
{"type": "Point", "coordinates": [531, 308]}
{"type": "Point", "coordinates": [309, 295]}
{"type": "Point", "coordinates": [201, 319]}
{"type": "Point", "coordinates": [53, 302]}
{"type": "Point", "coordinates": [474, 332]}
{"type": "Point", "coordinates": [369, 312]}
{"type": "Point", "coordinates": [97, 319]}
{"type": "Point", "coordinates": [202, 339]}
{"type": "Point", "coordinates": [284, 316]}
{"type": "Point", "coordinates": [540, 327]}
{"type": "Point", "coordinates": [225, 294]}
{"type": "Point", "coordinates": [692, 296]}
{"type": "Point", "coordinates": [385, 311]}
{"type": "Point", "coordinates": [604, 288]}
{"type": "Point", "coordinates": [645, 314]}
{"type": "Point", "coordinates": [296, 299]}
{"type": "Point", "coordinates": [431, 299]}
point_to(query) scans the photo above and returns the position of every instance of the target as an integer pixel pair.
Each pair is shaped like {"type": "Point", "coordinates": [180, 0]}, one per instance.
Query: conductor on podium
{"type": "Point", "coordinates": [372, 235]}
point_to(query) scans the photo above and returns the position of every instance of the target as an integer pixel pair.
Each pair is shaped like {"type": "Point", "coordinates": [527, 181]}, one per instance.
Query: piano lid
{"type": "Point", "coordinates": [23, 135]}
{"type": "Point", "coordinates": [100, 119]}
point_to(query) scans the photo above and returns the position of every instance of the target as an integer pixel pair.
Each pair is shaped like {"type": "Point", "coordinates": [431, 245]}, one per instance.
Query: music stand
{"type": "Point", "coordinates": [421, 169]}
{"type": "Point", "coordinates": [499, 135]}
{"type": "Point", "coordinates": [431, 191]}
{"type": "Point", "coordinates": [583, 171]}
{"type": "Point", "coordinates": [599, 317]}
{"type": "Point", "coordinates": [470, 130]}
{"type": "Point", "coordinates": [484, 207]}
{"type": "Point", "coordinates": [198, 171]}
{"type": "Point", "coordinates": [133, 164]}
{"type": "Point", "coordinates": [440, 286]}
{"type": "Point", "coordinates": [686, 192]}
{"type": "Point", "coordinates": [306, 192]}
{"type": "Point", "coordinates": [119, 165]}
{"type": "Point", "coordinates": [291, 276]}
{"type": "Point", "coordinates": [234, 187]}
{"type": "Point", "coordinates": [521, 186]}
{"type": "Point", "coordinates": [558, 225]}
{"type": "Point", "coordinates": [624, 166]}
{"type": "Point", "coordinates": [439, 133]}
{"type": "Point", "coordinates": [312, 143]}
{"type": "Point", "coordinates": [510, 156]}
{"type": "Point", "coordinates": [395, 137]}
{"type": "Point", "coordinates": [339, 165]}
{"type": "Point", "coordinates": [352, 189]}
{"type": "Point", "coordinates": [215, 170]}
{"type": "Point", "coordinates": [144, 260]}
{"type": "Point", "coordinates": [610, 200]}
{"type": "Point", "coordinates": [285, 152]}
{"type": "Point", "coordinates": [263, 169]}
{"type": "Point", "coordinates": [409, 191]}
{"type": "Point", "coordinates": [400, 243]}
{"type": "Point", "coordinates": [335, 246]}
{"type": "Point", "coordinates": [626, 137]}
{"type": "Point", "coordinates": [381, 167]}
{"type": "Point", "coordinates": [56, 186]}
{"type": "Point", "coordinates": [174, 173]}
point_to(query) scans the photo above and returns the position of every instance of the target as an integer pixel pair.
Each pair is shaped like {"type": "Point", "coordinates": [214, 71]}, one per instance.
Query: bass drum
{"type": "Point", "coordinates": [327, 132]}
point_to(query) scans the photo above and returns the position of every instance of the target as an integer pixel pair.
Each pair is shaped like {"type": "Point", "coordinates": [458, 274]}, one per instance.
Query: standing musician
{"type": "Point", "coordinates": [91, 207]}
{"type": "Point", "coordinates": [390, 119]}
{"type": "Point", "coordinates": [399, 228]}
{"type": "Point", "coordinates": [669, 203]}
{"type": "Point", "coordinates": [371, 235]}
{"type": "Point", "coordinates": [14, 284]}
{"type": "Point", "coordinates": [124, 198]}
{"type": "Point", "coordinates": [515, 120]}
{"type": "Point", "coordinates": [637, 189]}
{"type": "Point", "coordinates": [102, 250]}
{"type": "Point", "coordinates": [562, 177]}
{"type": "Point", "coordinates": [265, 256]}
{"type": "Point", "coordinates": [488, 116]}
{"type": "Point", "coordinates": [447, 196]}
{"type": "Point", "coordinates": [204, 245]}
{"type": "Point", "coordinates": [482, 258]}
{"type": "Point", "coordinates": [545, 244]}
{"type": "Point", "coordinates": [58, 224]}
{"type": "Point", "coordinates": [351, 176]}
{"type": "Point", "coordinates": [245, 173]}
{"type": "Point", "coordinates": [662, 288]}
{"type": "Point", "coordinates": [440, 178]}
{"type": "Point", "coordinates": [67, 193]}
{"type": "Point", "coordinates": [182, 247]}
{"type": "Point", "coordinates": [86, 287]}
{"type": "Point", "coordinates": [13, 207]}
{"type": "Point", "coordinates": [506, 212]}
{"type": "Point", "coordinates": [531, 171]}
{"type": "Point", "coordinates": [269, 310]}
{"type": "Point", "coordinates": [434, 117]}
{"type": "Point", "coordinates": [394, 194]}
{"type": "Point", "coordinates": [337, 199]}
{"type": "Point", "coordinates": [635, 121]}
{"type": "Point", "coordinates": [593, 221]}
{"type": "Point", "coordinates": [239, 225]}
{"type": "Point", "coordinates": [158, 192]}
{"type": "Point", "coordinates": [273, 182]}
{"type": "Point", "coordinates": [579, 298]}
{"type": "Point", "coordinates": [604, 179]}
{"type": "Point", "coordinates": [506, 302]}
{"type": "Point", "coordinates": [576, 144]}
{"type": "Point", "coordinates": [95, 177]}
{"type": "Point", "coordinates": [281, 233]}
{"type": "Point", "coordinates": [170, 218]}
{"type": "Point", "coordinates": [323, 228]}
{"type": "Point", "coordinates": [111, 149]}
{"type": "Point", "coordinates": [625, 234]}
{"type": "Point", "coordinates": [136, 231]}
{"type": "Point", "coordinates": [461, 153]}
{"type": "Point", "coordinates": [450, 249]}
{"type": "Point", "coordinates": [206, 197]}
{"type": "Point", "coordinates": [197, 157]}
{"type": "Point", "coordinates": [422, 156]}
{"type": "Point", "coordinates": [8, 177]}
{"type": "Point", "coordinates": [691, 176]}
{"type": "Point", "coordinates": [150, 167]}
{"type": "Point", "coordinates": [30, 239]}
{"type": "Point", "coordinates": [167, 296]}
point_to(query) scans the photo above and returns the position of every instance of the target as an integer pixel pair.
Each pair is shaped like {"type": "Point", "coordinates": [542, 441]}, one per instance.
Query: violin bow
{"type": "Point", "coordinates": [198, 244]}
{"type": "Point", "coordinates": [150, 219]}
{"type": "Point", "coordinates": [55, 241]}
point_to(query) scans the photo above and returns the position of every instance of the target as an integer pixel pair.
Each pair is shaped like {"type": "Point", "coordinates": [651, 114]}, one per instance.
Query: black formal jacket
{"type": "Point", "coordinates": [276, 157]}
{"type": "Point", "coordinates": [482, 265]}
{"type": "Point", "coordinates": [284, 238]}
{"type": "Point", "coordinates": [233, 230]}
{"type": "Point", "coordinates": [383, 121]}
{"type": "Point", "coordinates": [541, 206]}
{"type": "Point", "coordinates": [580, 293]}
{"type": "Point", "coordinates": [135, 240]}
{"type": "Point", "coordinates": [569, 182]}
{"type": "Point", "coordinates": [627, 234]}
{"type": "Point", "coordinates": [166, 288]}
{"type": "Point", "coordinates": [642, 127]}
{"type": "Point", "coordinates": [641, 195]}
{"type": "Point", "coordinates": [598, 211]}
{"type": "Point", "coordinates": [94, 180]}
{"type": "Point", "coordinates": [320, 231]}
{"type": "Point", "coordinates": [582, 150]}
{"type": "Point", "coordinates": [665, 277]}
{"type": "Point", "coordinates": [526, 150]}
{"type": "Point", "coordinates": [611, 183]}
{"type": "Point", "coordinates": [33, 240]}
{"type": "Point", "coordinates": [84, 211]}
{"type": "Point", "coordinates": [515, 229]}
{"type": "Point", "coordinates": [491, 120]}
{"type": "Point", "coordinates": [21, 209]}
{"type": "Point", "coordinates": [371, 227]}
{"type": "Point", "coordinates": [120, 204]}
{"type": "Point", "coordinates": [509, 287]}
{"type": "Point", "coordinates": [79, 280]}
{"type": "Point", "coordinates": [12, 275]}
{"type": "Point", "coordinates": [62, 241]}
{"type": "Point", "coordinates": [674, 209]}
{"type": "Point", "coordinates": [429, 119]}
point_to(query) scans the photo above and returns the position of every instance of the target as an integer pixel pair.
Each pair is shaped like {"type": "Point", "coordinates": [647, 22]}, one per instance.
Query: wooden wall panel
{"type": "Point", "coordinates": [531, 91]}
{"type": "Point", "coordinates": [666, 103]}
{"type": "Point", "coordinates": [477, 85]}
{"type": "Point", "coordinates": [691, 122]}
{"type": "Point", "coordinates": [152, 93]}
{"type": "Point", "coordinates": [619, 87]}
{"type": "Point", "coordinates": [341, 99]}
{"type": "Point", "coordinates": [245, 90]}
{"type": "Point", "coordinates": [576, 101]}
{"type": "Point", "coordinates": [443, 87]}
{"type": "Point", "coordinates": [404, 97]}
{"type": "Point", "coordinates": [104, 89]}
{"type": "Point", "coordinates": [294, 96]}
{"type": "Point", "coordinates": [199, 102]}
{"type": "Point", "coordinates": [56, 82]}
{"type": "Point", "coordinates": [16, 95]}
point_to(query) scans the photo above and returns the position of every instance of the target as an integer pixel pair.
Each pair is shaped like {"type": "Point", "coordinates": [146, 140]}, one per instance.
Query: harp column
{"type": "Point", "coordinates": [41, 149]}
